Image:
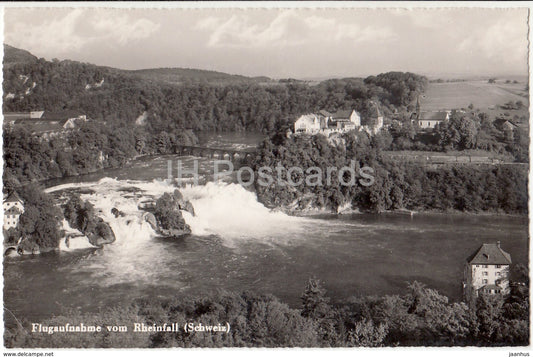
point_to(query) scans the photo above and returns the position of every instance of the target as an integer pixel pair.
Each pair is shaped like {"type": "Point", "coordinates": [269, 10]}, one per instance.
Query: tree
{"type": "Point", "coordinates": [315, 306]}
{"type": "Point", "coordinates": [366, 334]}
{"type": "Point", "coordinates": [80, 214]}
{"type": "Point", "coordinates": [460, 132]}
{"type": "Point", "coordinates": [488, 312]}
{"type": "Point", "coordinates": [314, 301]}
{"type": "Point", "coordinates": [40, 223]}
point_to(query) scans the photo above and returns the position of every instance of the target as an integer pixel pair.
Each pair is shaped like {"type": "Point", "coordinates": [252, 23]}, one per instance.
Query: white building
{"type": "Point", "coordinates": [346, 119]}
{"type": "Point", "coordinates": [13, 208]}
{"type": "Point", "coordinates": [429, 120]}
{"type": "Point", "coordinates": [310, 124]}
{"type": "Point", "coordinates": [326, 123]}
{"type": "Point", "coordinates": [487, 272]}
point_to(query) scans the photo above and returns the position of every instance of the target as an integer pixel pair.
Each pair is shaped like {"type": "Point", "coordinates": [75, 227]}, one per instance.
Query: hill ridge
{"type": "Point", "coordinates": [172, 75]}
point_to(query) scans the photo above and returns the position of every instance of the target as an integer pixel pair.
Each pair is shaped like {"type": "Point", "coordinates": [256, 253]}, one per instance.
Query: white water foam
{"type": "Point", "coordinates": [232, 212]}
{"type": "Point", "coordinates": [224, 209]}
{"type": "Point", "coordinates": [78, 241]}
{"type": "Point", "coordinates": [228, 211]}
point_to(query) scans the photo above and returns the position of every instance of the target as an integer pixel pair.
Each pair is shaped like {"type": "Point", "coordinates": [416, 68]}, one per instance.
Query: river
{"type": "Point", "coordinates": [237, 244]}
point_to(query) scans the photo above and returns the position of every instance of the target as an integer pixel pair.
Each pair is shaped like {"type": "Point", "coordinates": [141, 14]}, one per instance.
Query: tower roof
{"type": "Point", "coordinates": [375, 112]}
{"type": "Point", "coordinates": [490, 253]}
{"type": "Point", "coordinates": [13, 197]}
{"type": "Point", "coordinates": [325, 113]}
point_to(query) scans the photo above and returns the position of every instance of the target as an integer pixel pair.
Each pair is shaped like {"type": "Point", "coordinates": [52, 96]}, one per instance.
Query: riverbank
{"type": "Point", "coordinates": [311, 212]}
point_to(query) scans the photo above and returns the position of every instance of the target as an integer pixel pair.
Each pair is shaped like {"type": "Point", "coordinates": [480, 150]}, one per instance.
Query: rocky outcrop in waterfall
{"type": "Point", "coordinates": [100, 234]}
{"type": "Point", "coordinates": [80, 215]}
{"type": "Point", "coordinates": [167, 219]}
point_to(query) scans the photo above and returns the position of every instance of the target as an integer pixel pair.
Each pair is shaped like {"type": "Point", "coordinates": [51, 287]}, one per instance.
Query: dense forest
{"type": "Point", "coordinates": [116, 96]}
{"type": "Point", "coordinates": [90, 147]}
{"type": "Point", "coordinates": [132, 114]}
{"type": "Point", "coordinates": [397, 184]}
{"type": "Point", "coordinates": [419, 317]}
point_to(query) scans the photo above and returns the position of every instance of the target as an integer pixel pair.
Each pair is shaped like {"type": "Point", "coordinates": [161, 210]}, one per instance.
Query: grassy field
{"type": "Point", "coordinates": [484, 96]}
{"type": "Point", "coordinates": [479, 93]}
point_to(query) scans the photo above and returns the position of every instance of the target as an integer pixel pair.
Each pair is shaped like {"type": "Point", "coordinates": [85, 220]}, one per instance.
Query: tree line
{"type": "Point", "coordinates": [90, 147]}
{"type": "Point", "coordinates": [123, 97]}
{"type": "Point", "coordinates": [419, 317]}
{"type": "Point", "coordinates": [473, 130]}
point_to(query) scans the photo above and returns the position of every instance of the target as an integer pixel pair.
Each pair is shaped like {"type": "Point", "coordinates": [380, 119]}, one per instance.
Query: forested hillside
{"type": "Point", "coordinates": [118, 96]}
{"type": "Point", "coordinates": [397, 184]}
{"type": "Point", "coordinates": [191, 76]}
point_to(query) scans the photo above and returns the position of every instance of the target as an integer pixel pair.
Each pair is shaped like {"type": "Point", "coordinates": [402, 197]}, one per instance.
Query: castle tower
{"type": "Point", "coordinates": [418, 107]}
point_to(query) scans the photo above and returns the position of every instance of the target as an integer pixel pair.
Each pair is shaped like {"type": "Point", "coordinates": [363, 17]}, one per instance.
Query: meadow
{"type": "Point", "coordinates": [480, 93]}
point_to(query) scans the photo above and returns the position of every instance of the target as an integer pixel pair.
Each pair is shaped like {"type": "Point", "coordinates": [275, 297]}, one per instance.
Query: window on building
{"type": "Point", "coordinates": [484, 266]}
{"type": "Point", "coordinates": [498, 273]}
{"type": "Point", "coordinates": [485, 273]}
{"type": "Point", "coordinates": [485, 281]}
{"type": "Point", "coordinates": [498, 266]}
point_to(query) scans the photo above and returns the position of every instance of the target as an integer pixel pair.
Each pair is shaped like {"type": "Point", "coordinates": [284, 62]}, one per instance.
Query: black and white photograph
{"type": "Point", "coordinates": [334, 176]}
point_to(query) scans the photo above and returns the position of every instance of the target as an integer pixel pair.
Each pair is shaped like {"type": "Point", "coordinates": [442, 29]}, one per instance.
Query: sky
{"type": "Point", "coordinates": [280, 43]}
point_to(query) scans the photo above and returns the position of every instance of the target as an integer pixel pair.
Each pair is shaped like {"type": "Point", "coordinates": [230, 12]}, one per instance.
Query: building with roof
{"type": "Point", "coordinates": [10, 118]}
{"type": "Point", "coordinates": [345, 119]}
{"type": "Point", "coordinates": [45, 124]}
{"type": "Point", "coordinates": [429, 120]}
{"type": "Point", "coordinates": [507, 127]}
{"type": "Point", "coordinates": [310, 124]}
{"type": "Point", "coordinates": [13, 208]}
{"type": "Point", "coordinates": [487, 272]}
{"type": "Point", "coordinates": [341, 121]}
{"type": "Point", "coordinates": [325, 123]}
{"type": "Point", "coordinates": [504, 124]}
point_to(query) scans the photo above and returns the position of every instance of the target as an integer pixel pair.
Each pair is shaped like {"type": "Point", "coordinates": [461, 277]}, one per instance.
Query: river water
{"type": "Point", "coordinates": [237, 244]}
